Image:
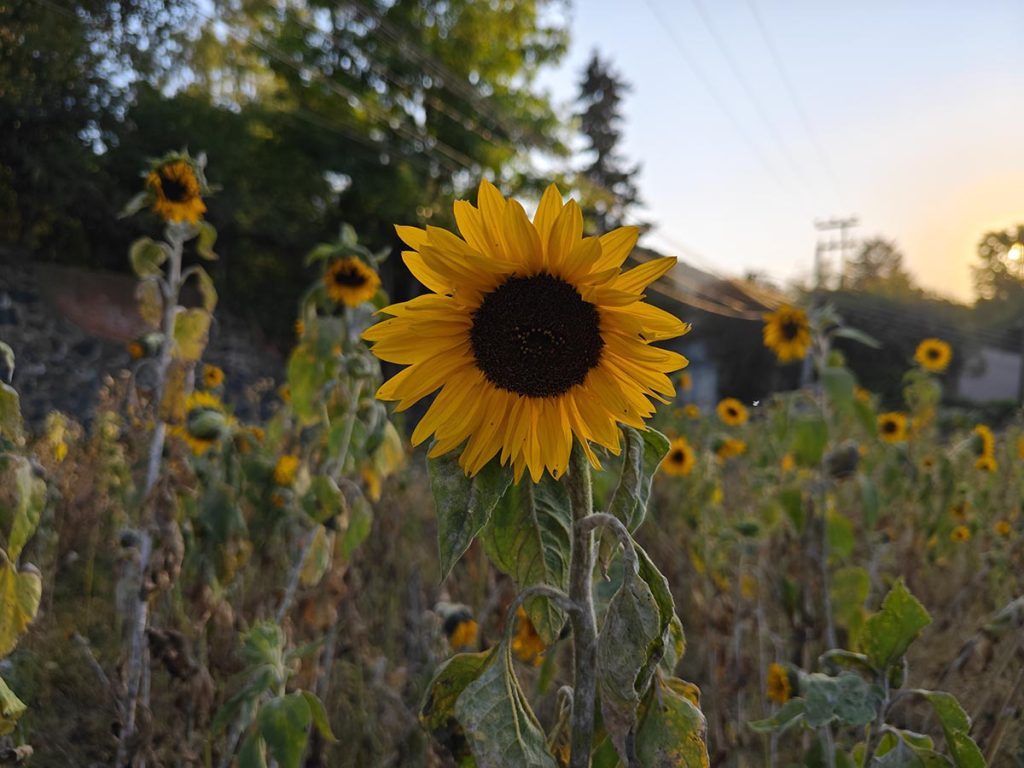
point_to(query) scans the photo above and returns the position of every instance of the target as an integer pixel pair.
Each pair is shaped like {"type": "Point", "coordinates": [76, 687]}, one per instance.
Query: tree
{"type": "Point", "coordinates": [999, 276]}
{"type": "Point", "coordinates": [878, 268]}
{"type": "Point", "coordinates": [607, 184]}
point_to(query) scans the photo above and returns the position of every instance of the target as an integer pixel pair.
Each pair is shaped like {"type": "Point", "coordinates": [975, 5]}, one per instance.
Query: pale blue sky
{"type": "Point", "coordinates": [917, 105]}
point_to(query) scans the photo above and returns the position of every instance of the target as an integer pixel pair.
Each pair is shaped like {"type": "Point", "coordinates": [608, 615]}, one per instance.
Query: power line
{"type": "Point", "coordinates": [787, 82]}
{"type": "Point", "coordinates": [730, 60]}
{"type": "Point", "coordinates": [715, 95]}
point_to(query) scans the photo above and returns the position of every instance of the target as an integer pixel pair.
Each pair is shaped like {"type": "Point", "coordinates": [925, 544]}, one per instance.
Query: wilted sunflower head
{"type": "Point", "coordinates": [986, 463]}
{"type": "Point", "coordinates": [779, 688]}
{"type": "Point", "coordinates": [933, 355]}
{"type": "Point", "coordinates": [350, 281]}
{"type": "Point", "coordinates": [892, 426]}
{"type": "Point", "coordinates": [984, 440]}
{"type": "Point", "coordinates": [176, 186]}
{"type": "Point", "coordinates": [787, 333]}
{"type": "Point", "coordinates": [680, 459]}
{"type": "Point", "coordinates": [533, 334]}
{"type": "Point", "coordinates": [732, 412]}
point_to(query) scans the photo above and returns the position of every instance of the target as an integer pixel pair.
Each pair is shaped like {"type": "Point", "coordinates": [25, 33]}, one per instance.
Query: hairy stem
{"type": "Point", "coordinates": [584, 624]}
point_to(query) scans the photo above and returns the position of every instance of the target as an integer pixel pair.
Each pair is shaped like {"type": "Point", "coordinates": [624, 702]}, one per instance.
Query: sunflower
{"type": "Point", "coordinates": [198, 445]}
{"type": "Point", "coordinates": [779, 688]}
{"type": "Point", "coordinates": [350, 281]}
{"type": "Point", "coordinates": [732, 412]}
{"type": "Point", "coordinates": [960, 534]}
{"type": "Point", "coordinates": [788, 463]}
{"type": "Point", "coordinates": [213, 376]}
{"type": "Point", "coordinates": [933, 355]}
{"type": "Point", "coordinates": [1002, 528]}
{"type": "Point", "coordinates": [862, 395]}
{"type": "Point", "coordinates": [531, 332]}
{"type": "Point", "coordinates": [892, 426]}
{"type": "Point", "coordinates": [680, 459]}
{"type": "Point", "coordinates": [300, 328]}
{"type": "Point", "coordinates": [685, 381]}
{"type": "Point", "coordinates": [176, 190]}
{"type": "Point", "coordinates": [986, 463]}
{"type": "Point", "coordinates": [729, 448]}
{"type": "Point", "coordinates": [985, 444]}
{"type": "Point", "coordinates": [787, 333]}
{"type": "Point", "coordinates": [136, 350]}
{"type": "Point", "coordinates": [462, 631]}
{"type": "Point", "coordinates": [691, 411]}
{"type": "Point", "coordinates": [285, 470]}
{"type": "Point", "coordinates": [527, 644]}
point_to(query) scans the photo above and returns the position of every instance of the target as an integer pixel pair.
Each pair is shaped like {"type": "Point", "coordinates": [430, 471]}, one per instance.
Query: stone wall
{"type": "Point", "coordinates": [69, 327]}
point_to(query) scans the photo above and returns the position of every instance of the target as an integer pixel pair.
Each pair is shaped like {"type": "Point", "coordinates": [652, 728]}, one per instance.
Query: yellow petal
{"type": "Point", "coordinates": [566, 232]}
{"type": "Point", "coordinates": [548, 210]}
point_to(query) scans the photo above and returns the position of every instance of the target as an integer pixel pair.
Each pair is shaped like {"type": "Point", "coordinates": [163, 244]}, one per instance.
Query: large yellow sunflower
{"type": "Point", "coordinates": [176, 190]}
{"type": "Point", "coordinates": [680, 459]}
{"type": "Point", "coordinates": [351, 281]}
{"type": "Point", "coordinates": [787, 333]}
{"type": "Point", "coordinates": [933, 355]}
{"type": "Point", "coordinates": [892, 426]}
{"type": "Point", "coordinates": [532, 332]}
{"type": "Point", "coordinates": [732, 412]}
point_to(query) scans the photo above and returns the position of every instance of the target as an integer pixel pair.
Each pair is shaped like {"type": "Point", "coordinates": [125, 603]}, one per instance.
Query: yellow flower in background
{"type": "Point", "coordinates": [351, 281]}
{"type": "Point", "coordinates": [680, 459]}
{"type": "Point", "coordinates": [960, 534]}
{"type": "Point", "coordinates": [986, 463]}
{"type": "Point", "coordinates": [862, 394]}
{"type": "Point", "coordinates": [372, 481]}
{"type": "Point", "coordinates": [136, 350]}
{"type": "Point", "coordinates": [685, 381]}
{"type": "Point", "coordinates": [691, 411]}
{"type": "Point", "coordinates": [199, 400]}
{"type": "Point", "coordinates": [732, 412]}
{"type": "Point", "coordinates": [787, 333]}
{"type": "Point", "coordinates": [285, 393]}
{"type": "Point", "coordinates": [986, 441]}
{"type": "Point", "coordinates": [197, 445]}
{"type": "Point", "coordinates": [892, 426]}
{"type": "Point", "coordinates": [729, 448]}
{"type": "Point", "coordinates": [1002, 528]}
{"type": "Point", "coordinates": [1020, 448]}
{"type": "Point", "coordinates": [779, 689]}
{"type": "Point", "coordinates": [177, 191]}
{"type": "Point", "coordinates": [532, 333]}
{"type": "Point", "coordinates": [285, 470]}
{"type": "Point", "coordinates": [526, 643]}
{"type": "Point", "coordinates": [933, 355]}
{"type": "Point", "coordinates": [300, 328]}
{"type": "Point", "coordinates": [928, 463]}
{"type": "Point", "coordinates": [788, 463]}
{"type": "Point", "coordinates": [464, 635]}
{"type": "Point", "coordinates": [213, 376]}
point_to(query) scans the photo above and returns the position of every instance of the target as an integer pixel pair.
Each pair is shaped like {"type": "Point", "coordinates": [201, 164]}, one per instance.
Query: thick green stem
{"type": "Point", "coordinates": [584, 624]}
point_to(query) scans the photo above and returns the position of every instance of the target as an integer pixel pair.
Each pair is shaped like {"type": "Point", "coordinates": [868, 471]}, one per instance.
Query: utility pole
{"type": "Point", "coordinates": [831, 244]}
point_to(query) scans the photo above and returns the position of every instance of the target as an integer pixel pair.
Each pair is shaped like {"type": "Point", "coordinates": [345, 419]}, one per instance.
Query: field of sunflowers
{"type": "Point", "coordinates": [562, 561]}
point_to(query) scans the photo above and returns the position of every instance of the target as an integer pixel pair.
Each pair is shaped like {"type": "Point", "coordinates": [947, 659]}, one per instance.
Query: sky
{"type": "Point", "coordinates": [908, 114]}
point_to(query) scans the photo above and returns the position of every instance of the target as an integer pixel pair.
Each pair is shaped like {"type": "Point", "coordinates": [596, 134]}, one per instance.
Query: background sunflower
{"type": "Point", "coordinates": [933, 355]}
{"type": "Point", "coordinates": [680, 459]}
{"type": "Point", "coordinates": [787, 333]}
{"type": "Point", "coordinates": [732, 412]}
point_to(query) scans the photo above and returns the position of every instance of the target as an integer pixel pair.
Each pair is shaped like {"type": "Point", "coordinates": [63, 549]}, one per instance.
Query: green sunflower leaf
{"type": "Point", "coordinates": [147, 256]}
{"type": "Point", "coordinates": [644, 452]}
{"type": "Point", "coordinates": [464, 504]}
{"type": "Point", "coordinates": [956, 727]}
{"type": "Point", "coordinates": [672, 732]}
{"type": "Point", "coordinates": [494, 714]}
{"type": "Point", "coordinates": [284, 725]}
{"type": "Point", "coordinates": [529, 537]}
{"type": "Point", "coordinates": [888, 633]}
{"type": "Point", "coordinates": [11, 709]}
{"type": "Point", "coordinates": [191, 330]}
{"type": "Point", "coordinates": [10, 413]}
{"type": "Point", "coordinates": [20, 592]}
{"type": "Point", "coordinates": [31, 500]}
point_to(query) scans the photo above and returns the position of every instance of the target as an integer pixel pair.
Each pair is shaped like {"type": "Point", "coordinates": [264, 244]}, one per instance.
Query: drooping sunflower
{"type": "Point", "coordinates": [350, 281]}
{"type": "Point", "coordinates": [787, 333]}
{"type": "Point", "coordinates": [779, 688]}
{"type": "Point", "coordinates": [680, 459]}
{"type": "Point", "coordinates": [985, 440]}
{"type": "Point", "coordinates": [933, 355]}
{"type": "Point", "coordinates": [892, 426]}
{"type": "Point", "coordinates": [732, 412]}
{"type": "Point", "coordinates": [213, 376]}
{"type": "Point", "coordinates": [986, 463]}
{"type": "Point", "coordinates": [176, 188]}
{"type": "Point", "coordinates": [532, 333]}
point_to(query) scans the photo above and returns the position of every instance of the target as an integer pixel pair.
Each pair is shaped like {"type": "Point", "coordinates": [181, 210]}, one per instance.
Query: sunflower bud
{"type": "Point", "coordinates": [207, 424]}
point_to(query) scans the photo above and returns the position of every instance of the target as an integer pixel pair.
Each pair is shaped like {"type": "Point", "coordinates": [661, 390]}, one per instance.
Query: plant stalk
{"type": "Point", "coordinates": [584, 623]}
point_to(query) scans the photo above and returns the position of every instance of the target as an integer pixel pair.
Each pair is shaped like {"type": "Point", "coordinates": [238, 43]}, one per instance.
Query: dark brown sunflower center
{"type": "Point", "coordinates": [932, 353]}
{"type": "Point", "coordinates": [790, 330]}
{"type": "Point", "coordinates": [677, 456]}
{"type": "Point", "coordinates": [349, 276]}
{"type": "Point", "coordinates": [732, 413]}
{"type": "Point", "coordinates": [889, 427]}
{"type": "Point", "coordinates": [174, 188]}
{"type": "Point", "coordinates": [536, 336]}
